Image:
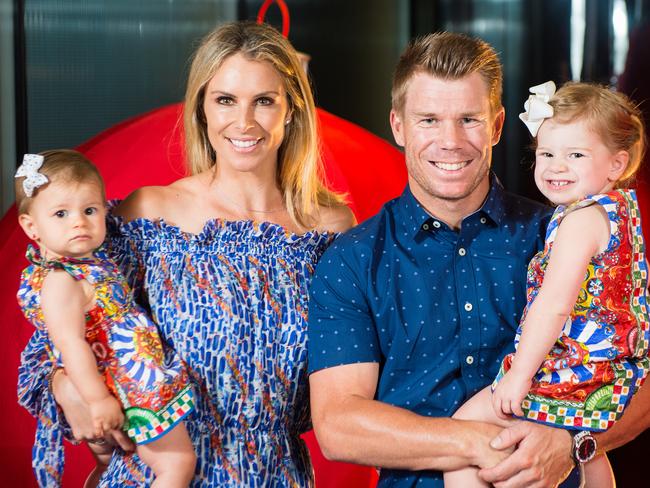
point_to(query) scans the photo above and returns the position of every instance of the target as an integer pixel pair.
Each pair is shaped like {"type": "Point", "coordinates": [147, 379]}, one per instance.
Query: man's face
{"type": "Point", "coordinates": [447, 129]}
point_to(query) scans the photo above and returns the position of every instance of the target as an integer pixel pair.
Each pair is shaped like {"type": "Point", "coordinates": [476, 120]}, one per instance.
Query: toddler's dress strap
{"type": "Point", "coordinates": [73, 266]}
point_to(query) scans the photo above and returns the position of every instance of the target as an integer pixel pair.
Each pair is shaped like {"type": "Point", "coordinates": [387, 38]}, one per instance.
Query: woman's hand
{"type": "Point", "coordinates": [77, 413]}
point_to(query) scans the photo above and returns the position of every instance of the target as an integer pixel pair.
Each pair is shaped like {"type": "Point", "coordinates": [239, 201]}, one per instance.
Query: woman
{"type": "Point", "coordinates": [223, 259]}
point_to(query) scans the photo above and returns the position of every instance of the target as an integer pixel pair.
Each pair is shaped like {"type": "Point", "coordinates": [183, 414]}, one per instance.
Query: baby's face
{"type": "Point", "coordinates": [571, 162]}
{"type": "Point", "coordinates": [67, 219]}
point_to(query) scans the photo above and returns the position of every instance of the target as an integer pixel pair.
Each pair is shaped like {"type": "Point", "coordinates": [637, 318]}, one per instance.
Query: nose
{"type": "Point", "coordinates": [245, 117]}
{"type": "Point", "coordinates": [449, 135]}
{"type": "Point", "coordinates": [557, 165]}
{"type": "Point", "coordinates": [80, 220]}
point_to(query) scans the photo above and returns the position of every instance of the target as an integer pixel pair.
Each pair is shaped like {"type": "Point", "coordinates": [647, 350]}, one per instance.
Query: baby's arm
{"type": "Point", "coordinates": [63, 301]}
{"type": "Point", "coordinates": [582, 234]}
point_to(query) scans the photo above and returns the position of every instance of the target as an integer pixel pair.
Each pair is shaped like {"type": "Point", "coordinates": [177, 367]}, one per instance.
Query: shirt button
{"type": "Point", "coordinates": [436, 224]}
{"type": "Point", "coordinates": [469, 359]}
{"type": "Point", "coordinates": [468, 307]}
{"type": "Point", "coordinates": [483, 220]}
{"type": "Point", "coordinates": [462, 251]}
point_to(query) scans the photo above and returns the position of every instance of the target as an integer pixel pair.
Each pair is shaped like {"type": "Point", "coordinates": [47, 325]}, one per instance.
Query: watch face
{"type": "Point", "coordinates": [586, 449]}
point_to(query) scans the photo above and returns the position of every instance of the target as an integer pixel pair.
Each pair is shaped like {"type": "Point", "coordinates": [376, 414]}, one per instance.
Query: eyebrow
{"type": "Point", "coordinates": [262, 94]}
{"type": "Point", "coordinates": [463, 115]}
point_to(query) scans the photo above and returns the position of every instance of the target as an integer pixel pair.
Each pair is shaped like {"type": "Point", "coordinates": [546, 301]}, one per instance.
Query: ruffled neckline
{"type": "Point", "coordinates": [264, 230]}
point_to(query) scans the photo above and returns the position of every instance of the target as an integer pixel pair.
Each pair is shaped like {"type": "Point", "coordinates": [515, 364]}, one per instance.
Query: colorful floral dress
{"type": "Point", "coordinates": [232, 302]}
{"type": "Point", "coordinates": [601, 356]}
{"type": "Point", "coordinates": [152, 387]}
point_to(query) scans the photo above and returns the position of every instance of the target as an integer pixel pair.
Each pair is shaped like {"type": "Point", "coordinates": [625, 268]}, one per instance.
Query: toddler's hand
{"type": "Point", "coordinates": [509, 393]}
{"type": "Point", "coordinates": [106, 415]}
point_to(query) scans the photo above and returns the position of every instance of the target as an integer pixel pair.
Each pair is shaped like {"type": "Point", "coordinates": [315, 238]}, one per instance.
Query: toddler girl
{"type": "Point", "coordinates": [581, 348]}
{"type": "Point", "coordinates": [106, 344]}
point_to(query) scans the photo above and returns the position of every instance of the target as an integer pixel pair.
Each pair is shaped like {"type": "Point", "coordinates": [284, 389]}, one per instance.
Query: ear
{"type": "Point", "coordinates": [29, 227]}
{"type": "Point", "coordinates": [497, 126]}
{"type": "Point", "coordinates": [397, 126]}
{"type": "Point", "coordinates": [618, 165]}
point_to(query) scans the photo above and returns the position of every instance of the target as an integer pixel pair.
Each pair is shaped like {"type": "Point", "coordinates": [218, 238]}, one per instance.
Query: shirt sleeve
{"type": "Point", "coordinates": [341, 329]}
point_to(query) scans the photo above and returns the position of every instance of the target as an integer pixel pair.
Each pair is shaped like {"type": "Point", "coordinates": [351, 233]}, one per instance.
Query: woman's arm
{"type": "Point", "coordinates": [582, 234]}
{"type": "Point", "coordinates": [63, 302]}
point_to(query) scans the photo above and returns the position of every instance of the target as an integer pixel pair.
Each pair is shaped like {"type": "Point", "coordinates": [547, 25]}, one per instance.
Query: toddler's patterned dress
{"type": "Point", "coordinates": [150, 382]}
{"type": "Point", "coordinates": [601, 356]}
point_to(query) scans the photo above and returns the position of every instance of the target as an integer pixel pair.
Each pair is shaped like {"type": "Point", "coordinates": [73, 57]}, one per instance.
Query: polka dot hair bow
{"type": "Point", "coordinates": [29, 170]}
{"type": "Point", "coordinates": [537, 107]}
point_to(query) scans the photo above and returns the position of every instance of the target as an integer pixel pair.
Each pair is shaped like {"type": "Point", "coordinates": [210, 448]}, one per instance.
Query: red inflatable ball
{"type": "Point", "coordinates": [147, 150]}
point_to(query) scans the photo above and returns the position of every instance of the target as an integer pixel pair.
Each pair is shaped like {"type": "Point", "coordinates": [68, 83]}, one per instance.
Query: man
{"type": "Point", "coordinates": [412, 311]}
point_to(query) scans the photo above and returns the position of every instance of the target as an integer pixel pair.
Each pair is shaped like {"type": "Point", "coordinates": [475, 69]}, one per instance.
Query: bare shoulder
{"type": "Point", "coordinates": [588, 227]}
{"type": "Point", "coordinates": [335, 219]}
{"type": "Point", "coordinates": [59, 288]}
{"type": "Point", "coordinates": [583, 218]}
{"type": "Point", "coordinates": [153, 202]}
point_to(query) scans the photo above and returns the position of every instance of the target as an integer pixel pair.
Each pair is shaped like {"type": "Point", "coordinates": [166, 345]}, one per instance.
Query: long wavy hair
{"type": "Point", "coordinates": [299, 170]}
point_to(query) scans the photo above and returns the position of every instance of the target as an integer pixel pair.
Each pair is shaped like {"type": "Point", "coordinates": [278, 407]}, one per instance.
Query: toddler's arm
{"type": "Point", "coordinates": [582, 234]}
{"type": "Point", "coordinates": [63, 301]}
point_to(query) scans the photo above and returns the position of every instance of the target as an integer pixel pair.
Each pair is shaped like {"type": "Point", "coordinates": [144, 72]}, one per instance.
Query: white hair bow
{"type": "Point", "coordinates": [537, 107]}
{"type": "Point", "coordinates": [29, 169]}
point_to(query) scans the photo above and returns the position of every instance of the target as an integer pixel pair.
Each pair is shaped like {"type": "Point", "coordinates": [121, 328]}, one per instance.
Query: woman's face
{"type": "Point", "coordinates": [246, 110]}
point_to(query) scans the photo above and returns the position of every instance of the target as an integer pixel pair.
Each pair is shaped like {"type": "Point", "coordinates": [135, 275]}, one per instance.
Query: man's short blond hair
{"type": "Point", "coordinates": [450, 56]}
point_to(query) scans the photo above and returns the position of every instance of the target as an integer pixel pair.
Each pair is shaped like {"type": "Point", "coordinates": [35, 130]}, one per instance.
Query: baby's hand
{"type": "Point", "coordinates": [106, 415]}
{"type": "Point", "coordinates": [509, 393]}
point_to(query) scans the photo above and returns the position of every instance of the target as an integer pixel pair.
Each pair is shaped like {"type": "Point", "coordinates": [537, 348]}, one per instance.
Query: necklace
{"type": "Point", "coordinates": [246, 209]}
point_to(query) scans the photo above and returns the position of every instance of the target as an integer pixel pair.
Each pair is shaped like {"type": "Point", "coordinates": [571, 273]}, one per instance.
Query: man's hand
{"type": "Point", "coordinates": [509, 393]}
{"type": "Point", "coordinates": [542, 458]}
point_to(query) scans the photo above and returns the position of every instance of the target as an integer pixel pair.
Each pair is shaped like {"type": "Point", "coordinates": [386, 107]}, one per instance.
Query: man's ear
{"type": "Point", "coordinates": [398, 127]}
{"type": "Point", "coordinates": [618, 165]}
{"type": "Point", "coordinates": [497, 126]}
{"type": "Point", "coordinates": [29, 227]}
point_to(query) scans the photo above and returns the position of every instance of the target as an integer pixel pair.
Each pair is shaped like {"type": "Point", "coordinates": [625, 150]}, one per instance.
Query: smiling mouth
{"type": "Point", "coordinates": [558, 183]}
{"type": "Point", "coordinates": [244, 144]}
{"type": "Point", "coordinates": [450, 166]}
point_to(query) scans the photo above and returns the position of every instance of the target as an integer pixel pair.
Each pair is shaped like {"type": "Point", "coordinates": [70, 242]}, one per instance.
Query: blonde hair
{"type": "Point", "coordinates": [451, 56]}
{"type": "Point", "coordinates": [299, 162]}
{"type": "Point", "coordinates": [611, 115]}
{"type": "Point", "coordinates": [60, 165]}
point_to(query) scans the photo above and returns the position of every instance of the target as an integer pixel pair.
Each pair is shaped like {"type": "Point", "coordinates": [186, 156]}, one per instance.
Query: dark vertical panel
{"type": "Point", "coordinates": [20, 78]}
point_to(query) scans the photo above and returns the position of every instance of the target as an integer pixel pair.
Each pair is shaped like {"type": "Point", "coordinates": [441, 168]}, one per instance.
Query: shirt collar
{"type": "Point", "coordinates": [415, 216]}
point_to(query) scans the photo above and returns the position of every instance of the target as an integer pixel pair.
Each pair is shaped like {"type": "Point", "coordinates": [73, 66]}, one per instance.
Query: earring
{"type": "Point", "coordinates": [286, 122]}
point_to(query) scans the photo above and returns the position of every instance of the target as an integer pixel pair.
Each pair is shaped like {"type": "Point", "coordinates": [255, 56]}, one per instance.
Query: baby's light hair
{"type": "Point", "coordinates": [611, 115]}
{"type": "Point", "coordinates": [60, 165]}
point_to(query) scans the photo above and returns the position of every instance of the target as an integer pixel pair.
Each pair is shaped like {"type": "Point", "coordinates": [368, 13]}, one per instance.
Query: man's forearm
{"type": "Point", "coordinates": [635, 420]}
{"type": "Point", "coordinates": [373, 433]}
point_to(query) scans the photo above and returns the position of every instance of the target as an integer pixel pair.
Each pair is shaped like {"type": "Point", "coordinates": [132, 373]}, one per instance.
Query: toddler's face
{"type": "Point", "coordinates": [571, 162]}
{"type": "Point", "coordinates": [67, 219]}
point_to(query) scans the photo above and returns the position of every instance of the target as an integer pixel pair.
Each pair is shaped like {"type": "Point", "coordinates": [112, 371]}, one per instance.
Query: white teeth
{"type": "Point", "coordinates": [559, 183]}
{"type": "Point", "coordinates": [450, 166]}
{"type": "Point", "coordinates": [244, 144]}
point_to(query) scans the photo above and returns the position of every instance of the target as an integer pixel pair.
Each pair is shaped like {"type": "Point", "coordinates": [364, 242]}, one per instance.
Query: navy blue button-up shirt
{"type": "Point", "coordinates": [436, 308]}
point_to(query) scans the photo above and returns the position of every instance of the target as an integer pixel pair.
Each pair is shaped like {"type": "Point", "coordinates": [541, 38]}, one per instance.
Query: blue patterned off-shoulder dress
{"type": "Point", "coordinates": [232, 302]}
